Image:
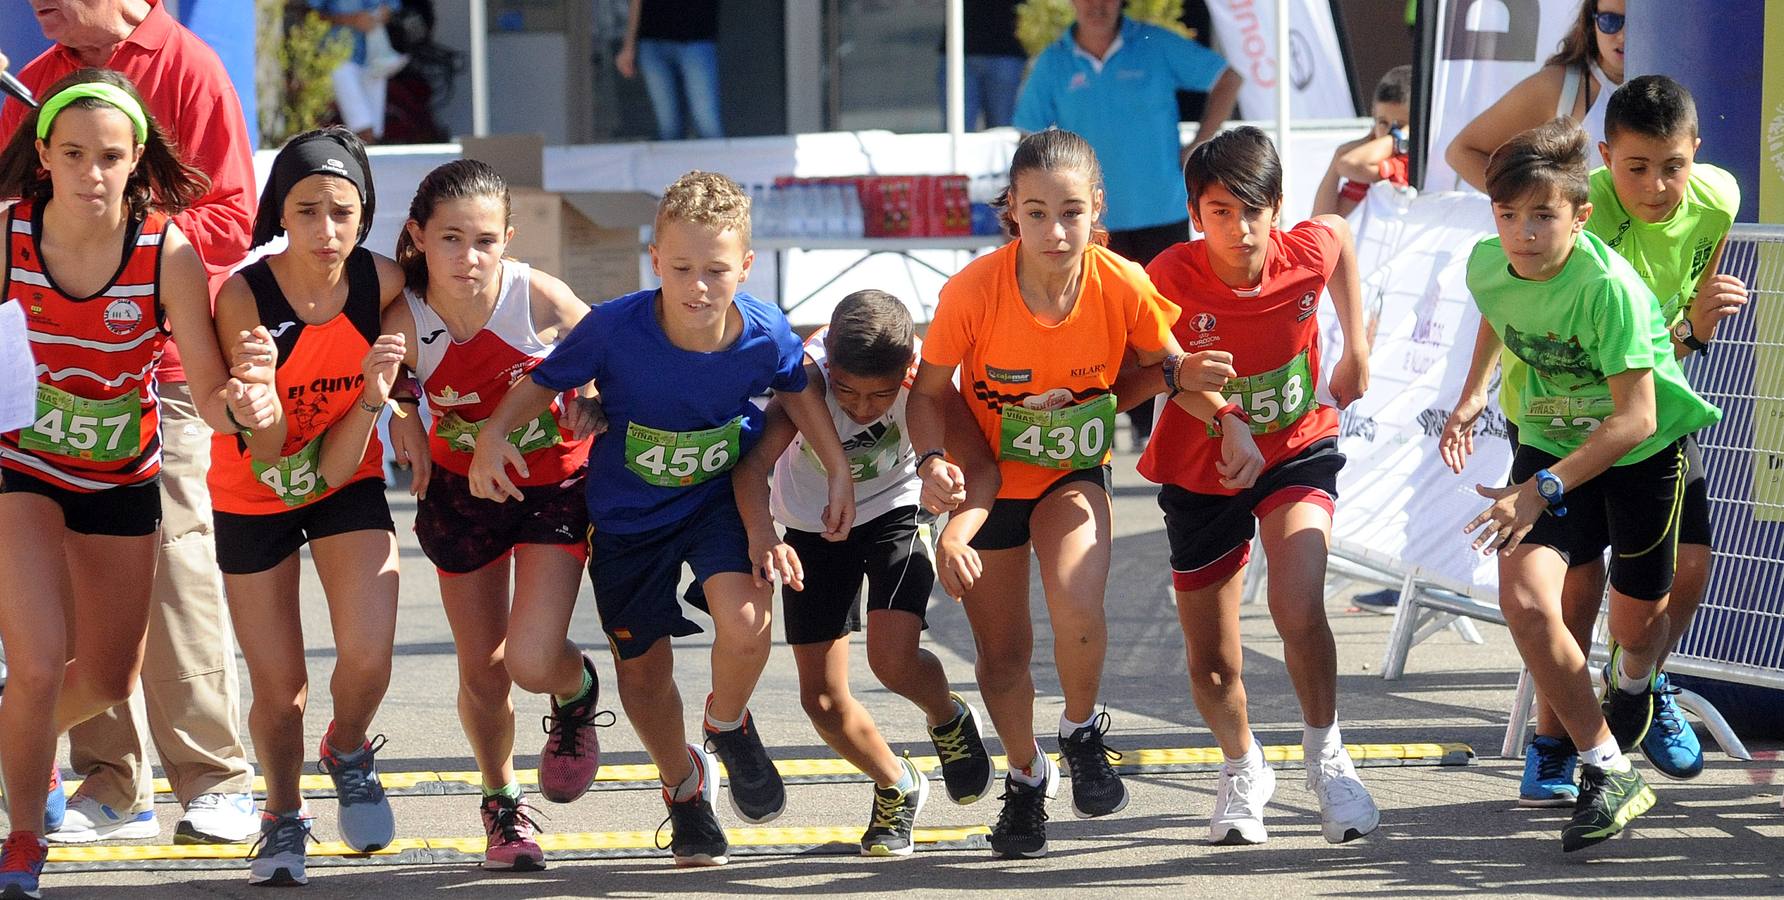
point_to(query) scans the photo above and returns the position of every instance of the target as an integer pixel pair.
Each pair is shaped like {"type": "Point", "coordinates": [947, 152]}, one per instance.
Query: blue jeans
{"type": "Point", "coordinates": [991, 86]}
{"type": "Point", "coordinates": [682, 75]}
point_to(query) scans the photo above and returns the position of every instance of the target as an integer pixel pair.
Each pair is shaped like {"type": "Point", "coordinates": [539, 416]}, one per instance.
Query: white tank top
{"type": "Point", "coordinates": [879, 453]}
{"type": "Point", "coordinates": [1572, 82]}
{"type": "Point", "coordinates": [511, 321]}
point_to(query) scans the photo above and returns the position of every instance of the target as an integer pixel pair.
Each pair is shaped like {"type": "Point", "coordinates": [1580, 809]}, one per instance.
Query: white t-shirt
{"type": "Point", "coordinates": [880, 455]}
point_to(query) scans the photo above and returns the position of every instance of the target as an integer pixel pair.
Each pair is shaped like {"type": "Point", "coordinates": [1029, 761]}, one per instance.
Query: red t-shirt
{"type": "Point", "coordinates": [1274, 339]}
{"type": "Point", "coordinates": [189, 93]}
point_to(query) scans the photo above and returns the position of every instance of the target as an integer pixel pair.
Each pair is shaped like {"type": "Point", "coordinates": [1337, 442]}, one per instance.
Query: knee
{"type": "Point", "coordinates": [34, 676]}
{"type": "Point", "coordinates": [486, 686]}
{"type": "Point", "coordinates": [1526, 612]}
{"type": "Point", "coordinates": [113, 687]}
{"type": "Point", "coordinates": [891, 665]}
{"type": "Point", "coordinates": [639, 691]}
{"type": "Point", "coordinates": [824, 708]}
{"type": "Point", "coordinates": [531, 673]}
{"type": "Point", "coordinates": [1218, 673]}
{"type": "Point", "coordinates": [998, 674]}
{"type": "Point", "coordinates": [1302, 627]}
{"type": "Point", "coordinates": [362, 673]}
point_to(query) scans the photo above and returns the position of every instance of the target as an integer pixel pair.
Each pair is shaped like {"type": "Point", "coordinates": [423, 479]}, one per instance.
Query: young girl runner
{"type": "Point", "coordinates": [1041, 327]}
{"type": "Point", "coordinates": [472, 324]}
{"type": "Point", "coordinates": [862, 363]}
{"type": "Point", "coordinates": [102, 277]}
{"type": "Point", "coordinates": [1601, 460]}
{"type": "Point", "coordinates": [305, 321]}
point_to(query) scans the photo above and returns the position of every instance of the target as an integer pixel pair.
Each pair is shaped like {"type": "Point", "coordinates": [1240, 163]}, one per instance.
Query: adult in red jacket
{"type": "Point", "coordinates": [189, 675]}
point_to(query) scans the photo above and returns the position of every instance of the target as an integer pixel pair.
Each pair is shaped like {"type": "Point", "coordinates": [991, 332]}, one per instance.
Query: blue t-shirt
{"type": "Point", "coordinates": [348, 7]}
{"type": "Point", "coordinates": [645, 379]}
{"type": "Point", "coordinates": [1126, 107]}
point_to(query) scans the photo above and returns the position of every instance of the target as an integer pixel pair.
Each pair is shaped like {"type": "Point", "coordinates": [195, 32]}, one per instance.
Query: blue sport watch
{"type": "Point", "coordinates": [1552, 491]}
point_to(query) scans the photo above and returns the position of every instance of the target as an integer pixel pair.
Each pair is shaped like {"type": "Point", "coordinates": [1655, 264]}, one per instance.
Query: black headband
{"type": "Point", "coordinates": [319, 155]}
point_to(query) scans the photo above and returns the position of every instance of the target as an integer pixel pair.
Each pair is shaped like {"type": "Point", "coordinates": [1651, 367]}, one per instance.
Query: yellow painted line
{"type": "Point", "coordinates": [597, 841]}
{"type": "Point", "coordinates": [797, 770]}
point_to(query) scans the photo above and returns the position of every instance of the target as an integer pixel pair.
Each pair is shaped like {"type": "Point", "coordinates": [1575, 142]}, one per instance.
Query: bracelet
{"type": "Point", "coordinates": [929, 453]}
{"type": "Point", "coordinates": [374, 410]}
{"type": "Point", "coordinates": [230, 415]}
{"type": "Point", "coordinates": [1231, 409]}
{"type": "Point", "coordinates": [1169, 368]}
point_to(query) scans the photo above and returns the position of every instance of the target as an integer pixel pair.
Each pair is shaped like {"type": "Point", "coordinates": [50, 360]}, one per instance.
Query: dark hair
{"type": "Point", "coordinates": [871, 334]}
{"type": "Point", "coordinates": [160, 181]}
{"type": "Point", "coordinates": [1395, 86]}
{"type": "Point", "coordinates": [1580, 44]}
{"type": "Point", "coordinates": [461, 179]}
{"type": "Point", "coordinates": [1551, 156]}
{"type": "Point", "coordinates": [1241, 160]}
{"type": "Point", "coordinates": [1053, 150]}
{"type": "Point", "coordinates": [272, 203]}
{"type": "Point", "coordinates": [1654, 106]}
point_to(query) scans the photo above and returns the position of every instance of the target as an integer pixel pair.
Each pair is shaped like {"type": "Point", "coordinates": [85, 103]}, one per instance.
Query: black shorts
{"type": "Point", "coordinates": [1210, 534]}
{"type": "Point", "coordinates": [1694, 513]}
{"type": "Point", "coordinates": [247, 544]}
{"type": "Point", "coordinates": [635, 575]}
{"type": "Point", "coordinates": [894, 552]}
{"type": "Point", "coordinates": [1007, 525]}
{"type": "Point", "coordinates": [461, 533]}
{"type": "Point", "coordinates": [1633, 510]}
{"type": "Point", "coordinates": [129, 511]}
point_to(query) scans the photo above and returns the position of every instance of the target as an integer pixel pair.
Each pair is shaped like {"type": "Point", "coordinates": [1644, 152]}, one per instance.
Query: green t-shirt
{"type": "Point", "coordinates": [1594, 319]}
{"type": "Point", "coordinates": [1669, 255]}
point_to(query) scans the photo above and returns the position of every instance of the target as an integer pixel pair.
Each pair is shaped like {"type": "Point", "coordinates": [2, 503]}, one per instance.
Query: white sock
{"type": "Point", "coordinates": [690, 785]}
{"type": "Point", "coordinates": [1037, 774]}
{"type": "Point", "coordinates": [717, 725]}
{"type": "Point", "coordinates": [1318, 742]}
{"type": "Point", "coordinates": [1632, 684]}
{"type": "Point", "coordinates": [1253, 757]}
{"type": "Point", "coordinates": [1605, 756]}
{"type": "Point", "coordinates": [1067, 727]}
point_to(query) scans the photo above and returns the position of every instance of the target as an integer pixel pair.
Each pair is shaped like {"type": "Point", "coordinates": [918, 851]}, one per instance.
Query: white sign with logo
{"type": "Point", "coordinates": [1316, 73]}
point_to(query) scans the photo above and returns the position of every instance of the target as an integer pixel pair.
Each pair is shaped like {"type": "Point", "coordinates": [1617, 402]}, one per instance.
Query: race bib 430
{"type": "Point", "coordinates": [1073, 437]}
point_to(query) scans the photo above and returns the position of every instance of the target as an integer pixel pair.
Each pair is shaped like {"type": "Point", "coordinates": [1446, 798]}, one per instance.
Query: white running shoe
{"type": "Point", "coordinates": [1239, 805]}
{"type": "Point", "coordinates": [88, 820]}
{"type": "Point", "coordinates": [218, 818]}
{"type": "Point", "coordinates": [1346, 812]}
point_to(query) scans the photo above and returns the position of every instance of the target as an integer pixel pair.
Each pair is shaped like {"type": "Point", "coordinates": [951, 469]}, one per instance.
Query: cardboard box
{"type": "Point", "coordinates": [590, 239]}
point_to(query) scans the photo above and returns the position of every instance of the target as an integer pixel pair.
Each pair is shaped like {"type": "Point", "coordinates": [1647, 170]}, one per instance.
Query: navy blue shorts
{"type": "Point", "coordinates": [635, 575]}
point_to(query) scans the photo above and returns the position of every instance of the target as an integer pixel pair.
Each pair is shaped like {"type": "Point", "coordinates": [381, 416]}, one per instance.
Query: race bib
{"type": "Point", "coordinates": [683, 458]}
{"type": "Point", "coordinates": [97, 430]}
{"type": "Point", "coordinates": [1567, 420]}
{"type": "Point", "coordinates": [295, 479]}
{"type": "Point", "coordinates": [1071, 437]}
{"type": "Point", "coordinates": [1275, 399]}
{"type": "Point", "coordinates": [866, 463]}
{"type": "Point", "coordinates": [460, 434]}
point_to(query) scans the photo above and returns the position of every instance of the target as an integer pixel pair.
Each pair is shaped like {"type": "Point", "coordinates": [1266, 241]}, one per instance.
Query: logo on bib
{"type": "Point", "coordinates": [450, 397]}
{"type": "Point", "coordinates": [1009, 376]}
{"type": "Point", "coordinates": [122, 317]}
{"type": "Point", "coordinates": [1053, 399]}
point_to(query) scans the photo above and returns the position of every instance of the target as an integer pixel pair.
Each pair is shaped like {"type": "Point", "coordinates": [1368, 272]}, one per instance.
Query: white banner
{"type": "Point", "coordinates": [1398, 505]}
{"type": "Point", "coordinates": [1484, 48]}
{"type": "Point", "coordinates": [1246, 33]}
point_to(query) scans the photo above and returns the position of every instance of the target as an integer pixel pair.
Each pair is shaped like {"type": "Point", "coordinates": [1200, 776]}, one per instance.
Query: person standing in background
{"type": "Point", "coordinates": [1115, 81]}
{"type": "Point", "coordinates": [360, 82]}
{"type": "Point", "coordinates": [675, 45]}
{"type": "Point", "coordinates": [189, 679]}
{"type": "Point", "coordinates": [994, 63]}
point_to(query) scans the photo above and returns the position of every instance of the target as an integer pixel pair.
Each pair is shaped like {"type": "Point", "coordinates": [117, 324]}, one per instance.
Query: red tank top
{"type": "Point", "coordinates": [466, 381]}
{"type": "Point", "coordinates": [319, 380]}
{"type": "Point", "coordinates": [97, 423]}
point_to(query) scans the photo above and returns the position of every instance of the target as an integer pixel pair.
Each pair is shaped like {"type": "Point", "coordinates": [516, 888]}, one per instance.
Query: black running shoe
{"type": "Point", "coordinates": [1608, 802]}
{"type": "Point", "coordinates": [757, 793]}
{"type": "Point", "coordinates": [1021, 829]}
{"type": "Point", "coordinates": [966, 767]}
{"type": "Point", "coordinates": [695, 837]}
{"type": "Point", "coordinates": [1096, 789]}
{"type": "Point", "coordinates": [1628, 715]}
{"type": "Point", "coordinates": [895, 817]}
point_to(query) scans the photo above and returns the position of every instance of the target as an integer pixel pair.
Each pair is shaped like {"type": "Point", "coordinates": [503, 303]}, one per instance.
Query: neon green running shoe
{"type": "Point", "coordinates": [1608, 802]}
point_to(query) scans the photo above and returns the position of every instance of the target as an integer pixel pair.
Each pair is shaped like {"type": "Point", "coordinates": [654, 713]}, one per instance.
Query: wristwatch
{"type": "Point", "coordinates": [1551, 490]}
{"type": "Point", "coordinates": [1687, 335]}
{"type": "Point", "coordinates": [1231, 409]}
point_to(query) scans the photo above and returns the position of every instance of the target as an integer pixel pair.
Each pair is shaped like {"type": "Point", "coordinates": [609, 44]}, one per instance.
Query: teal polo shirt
{"type": "Point", "coordinates": [1126, 106]}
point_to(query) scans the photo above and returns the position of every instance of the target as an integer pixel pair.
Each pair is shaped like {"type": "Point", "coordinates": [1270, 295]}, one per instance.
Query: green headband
{"type": "Point", "coordinates": [97, 90]}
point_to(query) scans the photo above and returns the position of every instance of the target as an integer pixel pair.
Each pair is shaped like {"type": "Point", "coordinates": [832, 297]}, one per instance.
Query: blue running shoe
{"type": "Point", "coordinates": [55, 804]}
{"type": "Point", "coordinates": [21, 865]}
{"type": "Point", "coordinates": [1671, 744]}
{"type": "Point", "coordinates": [1548, 774]}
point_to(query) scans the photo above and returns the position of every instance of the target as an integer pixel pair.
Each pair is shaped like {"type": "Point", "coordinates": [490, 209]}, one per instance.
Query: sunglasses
{"type": "Point", "coordinates": [1609, 23]}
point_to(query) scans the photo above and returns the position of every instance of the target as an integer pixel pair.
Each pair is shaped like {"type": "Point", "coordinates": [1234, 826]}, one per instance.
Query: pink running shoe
{"type": "Point", "coordinates": [572, 754]}
{"type": "Point", "coordinates": [510, 831]}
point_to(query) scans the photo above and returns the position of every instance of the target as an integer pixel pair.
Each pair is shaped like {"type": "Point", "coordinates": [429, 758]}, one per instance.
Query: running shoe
{"type": "Point", "coordinates": [218, 818]}
{"type": "Point", "coordinates": [1671, 743]}
{"type": "Point", "coordinates": [1385, 602]}
{"type": "Point", "coordinates": [967, 771]}
{"type": "Point", "coordinates": [1021, 829]}
{"type": "Point", "coordinates": [1628, 715]}
{"type": "Point", "coordinates": [509, 830]}
{"type": "Point", "coordinates": [365, 821]}
{"type": "Point", "coordinates": [277, 859]}
{"type": "Point", "coordinates": [1239, 804]}
{"type": "Point", "coordinates": [1346, 811]}
{"type": "Point", "coordinates": [757, 793]}
{"type": "Point", "coordinates": [1548, 773]}
{"type": "Point", "coordinates": [55, 802]}
{"type": "Point", "coordinates": [21, 865]}
{"type": "Point", "coordinates": [695, 838]}
{"type": "Point", "coordinates": [1096, 789]}
{"type": "Point", "coordinates": [88, 820]}
{"type": "Point", "coordinates": [1608, 802]}
{"type": "Point", "coordinates": [895, 817]}
{"type": "Point", "coordinates": [572, 754]}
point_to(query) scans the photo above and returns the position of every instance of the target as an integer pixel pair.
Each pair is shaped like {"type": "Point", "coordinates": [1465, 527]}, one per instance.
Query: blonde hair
{"type": "Point", "coordinates": [707, 199]}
